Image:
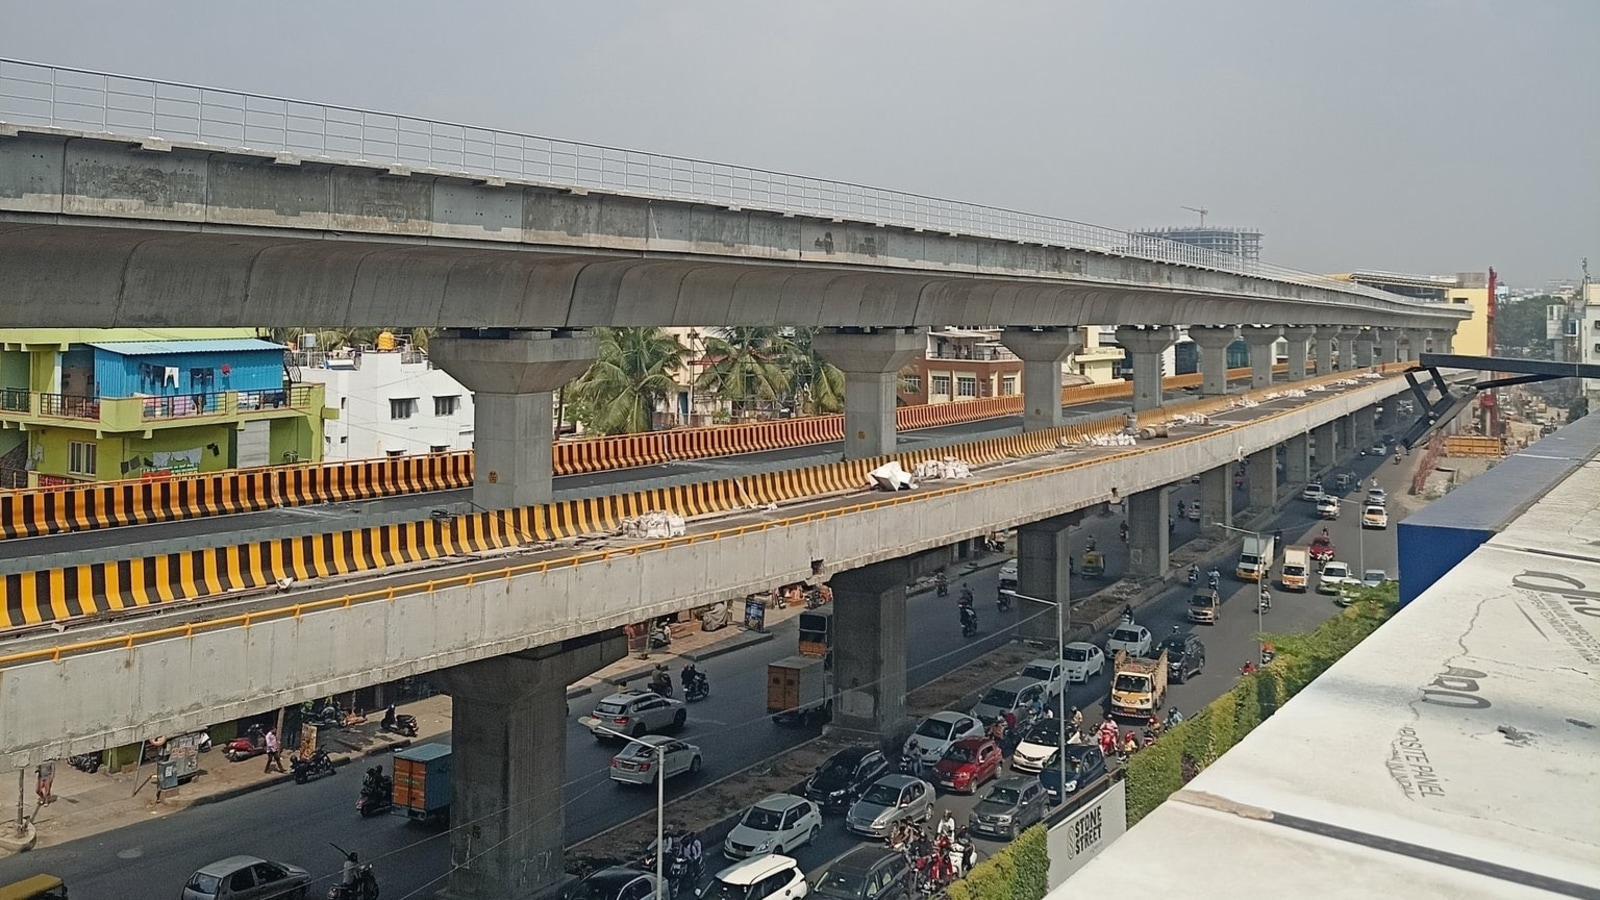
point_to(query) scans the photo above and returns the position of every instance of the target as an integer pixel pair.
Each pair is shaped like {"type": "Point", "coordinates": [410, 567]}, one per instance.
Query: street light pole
{"type": "Point", "coordinates": [661, 805]}
{"type": "Point", "coordinates": [1061, 696]}
{"type": "Point", "coordinates": [1261, 570]}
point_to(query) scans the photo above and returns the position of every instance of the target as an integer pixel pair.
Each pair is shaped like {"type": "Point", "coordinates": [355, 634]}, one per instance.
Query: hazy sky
{"type": "Point", "coordinates": [1414, 135]}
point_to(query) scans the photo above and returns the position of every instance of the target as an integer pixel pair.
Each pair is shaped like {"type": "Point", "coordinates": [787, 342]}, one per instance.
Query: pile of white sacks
{"type": "Point", "coordinates": [653, 525]}
{"type": "Point", "coordinates": [1112, 440]}
{"type": "Point", "coordinates": [934, 469]}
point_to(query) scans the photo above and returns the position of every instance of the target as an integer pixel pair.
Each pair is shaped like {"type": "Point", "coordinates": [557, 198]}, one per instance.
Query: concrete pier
{"type": "Point", "coordinates": [1214, 342]}
{"type": "Point", "coordinates": [1042, 351]}
{"type": "Point", "coordinates": [871, 360]}
{"type": "Point", "coordinates": [1145, 344]}
{"type": "Point", "coordinates": [1147, 532]}
{"type": "Point", "coordinates": [1044, 571]}
{"type": "Point", "coordinates": [1261, 339]}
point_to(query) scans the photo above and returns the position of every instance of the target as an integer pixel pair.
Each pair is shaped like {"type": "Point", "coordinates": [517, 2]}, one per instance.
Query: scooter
{"type": "Point", "coordinates": [249, 746]}
{"type": "Point", "coordinates": [662, 687]}
{"type": "Point", "coordinates": [364, 885]}
{"type": "Point", "coordinates": [86, 762]}
{"type": "Point", "coordinates": [1264, 601]}
{"type": "Point", "coordinates": [697, 688]}
{"type": "Point", "coordinates": [1214, 579]}
{"type": "Point", "coordinates": [318, 765]}
{"type": "Point", "coordinates": [377, 793]}
{"type": "Point", "coordinates": [1002, 602]}
{"type": "Point", "coordinates": [969, 621]}
{"type": "Point", "coordinates": [941, 587]}
{"type": "Point", "coordinates": [1194, 577]}
{"type": "Point", "coordinates": [402, 724]}
{"type": "Point", "coordinates": [660, 638]}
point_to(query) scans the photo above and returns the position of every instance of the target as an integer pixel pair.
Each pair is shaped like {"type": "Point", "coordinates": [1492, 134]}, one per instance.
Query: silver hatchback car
{"type": "Point", "coordinates": [246, 878]}
{"type": "Point", "coordinates": [890, 800]}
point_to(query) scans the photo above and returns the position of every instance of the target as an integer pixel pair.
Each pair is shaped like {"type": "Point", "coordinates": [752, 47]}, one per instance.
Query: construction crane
{"type": "Point", "coordinates": [1198, 209]}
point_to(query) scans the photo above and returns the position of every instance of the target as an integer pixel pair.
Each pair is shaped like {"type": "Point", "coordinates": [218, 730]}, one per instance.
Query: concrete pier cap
{"type": "Point", "coordinates": [1297, 335]}
{"type": "Point", "coordinates": [1213, 341]}
{"type": "Point", "coordinates": [871, 359]}
{"type": "Point", "coordinates": [1260, 339]}
{"type": "Point", "coordinates": [1145, 344]}
{"type": "Point", "coordinates": [1042, 350]}
{"type": "Point", "coordinates": [1325, 336]}
{"type": "Point", "coordinates": [511, 374]}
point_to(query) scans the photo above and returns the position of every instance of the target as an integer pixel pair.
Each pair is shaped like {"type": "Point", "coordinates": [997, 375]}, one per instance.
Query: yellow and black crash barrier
{"type": "Point", "coordinates": [79, 592]}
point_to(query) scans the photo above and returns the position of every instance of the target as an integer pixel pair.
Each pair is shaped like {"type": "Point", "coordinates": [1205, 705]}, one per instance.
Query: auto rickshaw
{"type": "Point", "coordinates": [1094, 564]}
{"type": "Point", "coordinates": [1342, 483]}
{"type": "Point", "coordinates": [37, 887]}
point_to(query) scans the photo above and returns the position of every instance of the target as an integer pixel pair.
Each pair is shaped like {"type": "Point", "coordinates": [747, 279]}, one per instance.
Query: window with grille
{"type": "Point", "coordinates": [1008, 385]}
{"type": "Point", "coordinates": [941, 385]}
{"type": "Point", "coordinates": [447, 406]}
{"type": "Point", "coordinates": [966, 386]}
{"type": "Point", "coordinates": [402, 407]}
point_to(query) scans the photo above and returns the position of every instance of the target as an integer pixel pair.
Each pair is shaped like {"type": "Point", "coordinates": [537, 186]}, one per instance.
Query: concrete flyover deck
{"type": "Point", "coordinates": [214, 211]}
{"type": "Point", "coordinates": [198, 673]}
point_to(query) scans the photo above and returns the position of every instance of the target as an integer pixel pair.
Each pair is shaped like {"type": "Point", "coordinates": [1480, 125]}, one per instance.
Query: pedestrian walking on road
{"type": "Point", "coordinates": [44, 780]}
{"type": "Point", "coordinates": [274, 754]}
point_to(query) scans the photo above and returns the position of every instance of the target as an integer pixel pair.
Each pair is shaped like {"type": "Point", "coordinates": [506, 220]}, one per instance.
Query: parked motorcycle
{"type": "Point", "coordinates": [86, 762]}
{"type": "Point", "coordinates": [660, 638]}
{"type": "Point", "coordinates": [377, 793]}
{"type": "Point", "coordinates": [252, 744]}
{"type": "Point", "coordinates": [318, 765]}
{"type": "Point", "coordinates": [399, 723]}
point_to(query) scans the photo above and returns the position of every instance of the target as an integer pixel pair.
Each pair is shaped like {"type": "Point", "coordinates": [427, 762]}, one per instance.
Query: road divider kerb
{"type": "Point", "coordinates": [61, 596]}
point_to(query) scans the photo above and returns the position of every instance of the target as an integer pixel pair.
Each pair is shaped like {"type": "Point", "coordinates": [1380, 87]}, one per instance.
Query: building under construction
{"type": "Point", "coordinates": [1244, 243]}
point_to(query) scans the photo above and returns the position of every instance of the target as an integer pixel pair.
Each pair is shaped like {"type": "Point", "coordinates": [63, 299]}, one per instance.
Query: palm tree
{"type": "Point", "coordinates": [749, 365]}
{"type": "Point", "coordinates": [818, 384]}
{"type": "Point", "coordinates": [631, 375]}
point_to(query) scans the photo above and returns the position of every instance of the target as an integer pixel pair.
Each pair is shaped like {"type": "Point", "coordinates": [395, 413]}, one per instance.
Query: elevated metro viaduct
{"type": "Point", "coordinates": [506, 645]}
{"type": "Point", "coordinates": [153, 228]}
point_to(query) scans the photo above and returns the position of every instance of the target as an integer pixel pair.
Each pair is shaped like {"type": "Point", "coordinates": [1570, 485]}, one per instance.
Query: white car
{"type": "Point", "coordinates": [1051, 673]}
{"type": "Point", "coordinates": [777, 823]}
{"type": "Point", "coordinates": [1377, 497]}
{"type": "Point", "coordinates": [937, 732]}
{"type": "Point", "coordinates": [1008, 575]}
{"type": "Point", "coordinates": [1374, 578]}
{"type": "Point", "coordinates": [636, 762]}
{"type": "Point", "coordinates": [1375, 517]}
{"type": "Point", "coordinates": [1038, 747]}
{"type": "Point", "coordinates": [1335, 575]}
{"type": "Point", "coordinates": [1134, 639]}
{"type": "Point", "coordinates": [1328, 507]}
{"type": "Point", "coordinates": [771, 876]}
{"type": "Point", "coordinates": [1083, 659]}
{"type": "Point", "coordinates": [1312, 493]}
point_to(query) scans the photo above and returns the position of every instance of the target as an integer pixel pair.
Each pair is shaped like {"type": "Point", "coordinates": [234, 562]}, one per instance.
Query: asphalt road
{"type": "Point", "coordinates": [295, 823]}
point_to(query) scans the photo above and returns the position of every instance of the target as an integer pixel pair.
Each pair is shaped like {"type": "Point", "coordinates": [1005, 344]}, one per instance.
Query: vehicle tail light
{"type": "Point", "coordinates": [644, 767]}
{"type": "Point", "coordinates": [622, 720]}
{"type": "Point", "coordinates": [614, 764]}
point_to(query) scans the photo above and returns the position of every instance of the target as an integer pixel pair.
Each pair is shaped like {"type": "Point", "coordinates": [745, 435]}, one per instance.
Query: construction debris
{"type": "Point", "coordinates": [891, 476]}
{"type": "Point", "coordinates": [934, 469]}
{"type": "Point", "coordinates": [653, 525]}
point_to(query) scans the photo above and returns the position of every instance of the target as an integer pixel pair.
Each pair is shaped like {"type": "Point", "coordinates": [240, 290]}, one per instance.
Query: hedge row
{"type": "Point", "coordinates": [1168, 764]}
{"type": "Point", "coordinates": [1019, 872]}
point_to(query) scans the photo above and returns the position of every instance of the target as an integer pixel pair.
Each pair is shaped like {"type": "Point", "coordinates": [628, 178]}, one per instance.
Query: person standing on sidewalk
{"type": "Point", "coordinates": [44, 781]}
{"type": "Point", "coordinates": [274, 755]}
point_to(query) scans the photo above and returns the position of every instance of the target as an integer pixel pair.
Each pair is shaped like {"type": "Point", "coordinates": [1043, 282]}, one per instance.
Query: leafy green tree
{"type": "Point", "coordinates": [750, 366]}
{"type": "Point", "coordinates": [818, 384]}
{"type": "Point", "coordinates": [1521, 325]}
{"type": "Point", "coordinates": [631, 375]}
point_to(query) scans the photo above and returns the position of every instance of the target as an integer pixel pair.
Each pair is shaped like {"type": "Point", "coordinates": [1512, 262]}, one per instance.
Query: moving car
{"type": "Point", "coordinates": [1052, 673]}
{"type": "Point", "coordinates": [1377, 497]}
{"type": "Point", "coordinates": [867, 873]}
{"type": "Point", "coordinates": [890, 799]}
{"type": "Point", "coordinates": [772, 875]}
{"type": "Point", "coordinates": [1008, 575]}
{"type": "Point", "coordinates": [839, 781]}
{"type": "Point", "coordinates": [1083, 659]}
{"type": "Point", "coordinates": [1133, 639]}
{"type": "Point", "coordinates": [1037, 747]}
{"type": "Point", "coordinates": [1014, 695]}
{"type": "Point", "coordinates": [1086, 765]}
{"type": "Point", "coordinates": [1011, 805]}
{"type": "Point", "coordinates": [1328, 507]}
{"type": "Point", "coordinates": [1374, 517]}
{"type": "Point", "coordinates": [937, 732]}
{"type": "Point", "coordinates": [636, 762]}
{"type": "Point", "coordinates": [1186, 656]}
{"type": "Point", "coordinates": [1335, 575]}
{"type": "Point", "coordinates": [1322, 549]}
{"type": "Point", "coordinates": [777, 823]}
{"type": "Point", "coordinates": [1373, 578]}
{"type": "Point", "coordinates": [968, 764]}
{"type": "Point", "coordinates": [245, 878]}
{"type": "Point", "coordinates": [1377, 449]}
{"type": "Point", "coordinates": [635, 713]}
{"type": "Point", "coordinates": [1312, 492]}
{"type": "Point", "coordinates": [615, 883]}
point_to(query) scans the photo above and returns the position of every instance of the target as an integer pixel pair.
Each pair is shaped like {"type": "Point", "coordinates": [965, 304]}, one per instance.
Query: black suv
{"type": "Point", "coordinates": [1186, 656]}
{"type": "Point", "coordinates": [867, 873]}
{"type": "Point", "coordinates": [841, 780]}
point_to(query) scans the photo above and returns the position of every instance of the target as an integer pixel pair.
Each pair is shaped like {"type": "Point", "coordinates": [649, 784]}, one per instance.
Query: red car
{"type": "Point", "coordinates": [967, 764]}
{"type": "Point", "coordinates": [1322, 549]}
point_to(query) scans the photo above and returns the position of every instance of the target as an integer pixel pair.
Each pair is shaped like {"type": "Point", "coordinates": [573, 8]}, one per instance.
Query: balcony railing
{"type": "Point", "coordinates": [126, 413]}
{"type": "Point", "coordinates": [974, 354]}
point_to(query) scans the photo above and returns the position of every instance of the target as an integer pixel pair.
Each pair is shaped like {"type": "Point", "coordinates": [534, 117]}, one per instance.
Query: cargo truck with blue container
{"type": "Point", "coordinates": [422, 782]}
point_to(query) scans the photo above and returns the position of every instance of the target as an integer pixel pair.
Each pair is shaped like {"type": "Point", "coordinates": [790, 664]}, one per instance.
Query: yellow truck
{"type": "Point", "coordinates": [1138, 686]}
{"type": "Point", "coordinates": [1296, 568]}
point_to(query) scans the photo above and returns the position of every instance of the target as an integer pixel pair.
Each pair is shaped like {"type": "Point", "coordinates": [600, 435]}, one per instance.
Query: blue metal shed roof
{"type": "Point", "coordinates": [214, 345]}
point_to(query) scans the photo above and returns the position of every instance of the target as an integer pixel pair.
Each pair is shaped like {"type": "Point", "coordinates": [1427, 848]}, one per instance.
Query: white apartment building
{"type": "Point", "coordinates": [390, 402]}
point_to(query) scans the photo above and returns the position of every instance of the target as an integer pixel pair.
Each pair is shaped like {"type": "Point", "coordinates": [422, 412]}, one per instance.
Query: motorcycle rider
{"type": "Point", "coordinates": [969, 619]}
{"type": "Point", "coordinates": [942, 583]}
{"type": "Point", "coordinates": [660, 681]}
{"type": "Point", "coordinates": [1089, 543]}
{"type": "Point", "coordinates": [1123, 529]}
{"type": "Point", "coordinates": [1215, 578]}
{"type": "Point", "coordinates": [1266, 597]}
{"type": "Point", "coordinates": [1174, 717]}
{"type": "Point", "coordinates": [947, 826]}
{"type": "Point", "coordinates": [694, 855]}
{"type": "Point", "coordinates": [966, 594]}
{"type": "Point", "coordinates": [689, 676]}
{"type": "Point", "coordinates": [1194, 574]}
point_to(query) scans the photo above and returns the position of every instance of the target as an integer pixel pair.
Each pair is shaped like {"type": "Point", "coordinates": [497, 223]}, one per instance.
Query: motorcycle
{"type": "Point", "coordinates": [660, 638]}
{"type": "Point", "coordinates": [363, 885]}
{"type": "Point", "coordinates": [377, 793]}
{"type": "Point", "coordinates": [249, 746]}
{"type": "Point", "coordinates": [86, 762]}
{"type": "Point", "coordinates": [330, 716]}
{"type": "Point", "coordinates": [1264, 602]}
{"type": "Point", "coordinates": [401, 724]}
{"type": "Point", "coordinates": [1214, 579]}
{"type": "Point", "coordinates": [318, 765]}
{"type": "Point", "coordinates": [697, 688]}
{"type": "Point", "coordinates": [941, 587]}
{"type": "Point", "coordinates": [1002, 602]}
{"type": "Point", "coordinates": [661, 686]}
{"type": "Point", "coordinates": [969, 621]}
{"type": "Point", "coordinates": [1194, 577]}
